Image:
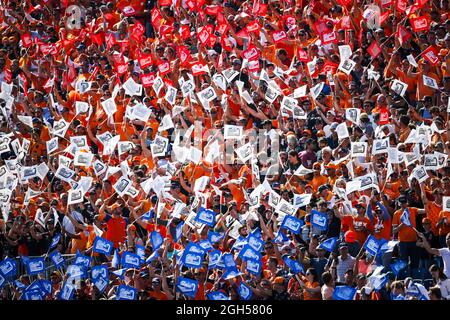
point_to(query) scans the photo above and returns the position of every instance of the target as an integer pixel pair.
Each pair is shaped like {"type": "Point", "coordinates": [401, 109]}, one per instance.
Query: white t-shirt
{"type": "Point", "coordinates": [445, 254]}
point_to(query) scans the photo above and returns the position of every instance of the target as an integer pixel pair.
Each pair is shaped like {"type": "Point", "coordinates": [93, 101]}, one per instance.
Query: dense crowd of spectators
{"type": "Point", "coordinates": [204, 149]}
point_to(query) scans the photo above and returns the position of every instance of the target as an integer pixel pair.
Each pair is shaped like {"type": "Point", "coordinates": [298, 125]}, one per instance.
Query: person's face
{"type": "Point", "coordinates": [343, 251]}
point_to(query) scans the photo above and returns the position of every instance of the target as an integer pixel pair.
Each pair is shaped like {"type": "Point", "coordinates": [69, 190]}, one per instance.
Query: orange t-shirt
{"type": "Point", "coordinates": [433, 211]}
{"type": "Point", "coordinates": [356, 226]}
{"type": "Point", "coordinates": [406, 234]}
{"type": "Point", "coordinates": [445, 229]}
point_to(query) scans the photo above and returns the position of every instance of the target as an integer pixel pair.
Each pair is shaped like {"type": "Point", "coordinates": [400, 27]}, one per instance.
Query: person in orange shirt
{"type": "Point", "coordinates": [406, 234]}
{"type": "Point", "coordinates": [310, 285]}
{"type": "Point", "coordinates": [433, 208]}
{"type": "Point", "coordinates": [443, 225]}
{"type": "Point", "coordinates": [115, 224]}
{"type": "Point", "coordinates": [361, 224]}
{"type": "Point", "coordinates": [203, 285]}
{"type": "Point", "coordinates": [317, 179]}
{"type": "Point", "coordinates": [381, 224]}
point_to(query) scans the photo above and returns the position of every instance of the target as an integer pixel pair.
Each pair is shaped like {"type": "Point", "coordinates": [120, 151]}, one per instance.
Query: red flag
{"type": "Point", "coordinates": [165, 3]}
{"type": "Point", "coordinates": [97, 38]}
{"type": "Point", "coordinates": [8, 75]}
{"type": "Point", "coordinates": [251, 53]}
{"type": "Point", "coordinates": [213, 10]}
{"type": "Point", "coordinates": [145, 60]}
{"type": "Point", "coordinates": [164, 67]}
{"type": "Point", "coordinates": [374, 49]}
{"type": "Point", "coordinates": [121, 68]}
{"type": "Point", "coordinates": [185, 32]}
{"type": "Point", "coordinates": [184, 54]}
{"type": "Point", "coordinates": [212, 40]}
{"type": "Point", "coordinates": [110, 41]}
{"type": "Point", "coordinates": [128, 11]}
{"type": "Point", "coordinates": [344, 2]}
{"type": "Point", "coordinates": [137, 31]}
{"type": "Point", "coordinates": [24, 82]}
{"type": "Point", "coordinates": [222, 28]}
{"type": "Point", "coordinates": [431, 55]}
{"type": "Point", "coordinates": [401, 5]}
{"type": "Point", "coordinates": [191, 4]}
{"type": "Point", "coordinates": [221, 18]}
{"type": "Point", "coordinates": [26, 40]}
{"type": "Point", "coordinates": [420, 23]}
{"type": "Point", "coordinates": [253, 27]}
{"type": "Point", "coordinates": [49, 84]}
{"type": "Point", "coordinates": [328, 37]}
{"type": "Point", "coordinates": [320, 27]}
{"type": "Point", "coordinates": [346, 23]}
{"type": "Point", "coordinates": [290, 21]}
{"type": "Point", "coordinates": [226, 44]}
{"type": "Point", "coordinates": [402, 34]}
{"type": "Point", "coordinates": [302, 55]}
{"type": "Point", "coordinates": [262, 10]}
{"type": "Point", "coordinates": [278, 36]}
{"type": "Point", "coordinates": [384, 16]}
{"type": "Point", "coordinates": [253, 66]}
{"type": "Point", "coordinates": [243, 34]}
{"type": "Point", "coordinates": [198, 68]}
{"type": "Point", "coordinates": [255, 7]}
{"type": "Point", "coordinates": [147, 79]}
{"type": "Point", "coordinates": [203, 35]}
{"type": "Point", "coordinates": [156, 18]}
{"type": "Point", "coordinates": [166, 29]}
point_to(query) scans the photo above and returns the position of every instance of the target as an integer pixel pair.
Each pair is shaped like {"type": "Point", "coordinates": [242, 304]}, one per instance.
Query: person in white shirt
{"type": "Point", "coordinates": [443, 252]}
{"type": "Point", "coordinates": [440, 280]}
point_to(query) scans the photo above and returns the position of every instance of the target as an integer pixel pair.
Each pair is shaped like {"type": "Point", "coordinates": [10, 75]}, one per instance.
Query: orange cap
{"type": "Point", "coordinates": [279, 280]}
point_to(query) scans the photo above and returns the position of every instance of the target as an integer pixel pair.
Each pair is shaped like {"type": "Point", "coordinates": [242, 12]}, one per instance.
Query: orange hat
{"type": "Point", "coordinates": [320, 133]}
{"type": "Point", "coordinates": [307, 131]}
{"type": "Point", "coordinates": [308, 185]}
{"type": "Point", "coordinates": [350, 236]}
{"type": "Point", "coordinates": [316, 165]}
{"type": "Point", "coordinates": [132, 227]}
{"type": "Point", "coordinates": [279, 280]}
{"type": "Point", "coordinates": [359, 170]}
{"type": "Point", "coordinates": [115, 206]}
{"type": "Point", "coordinates": [331, 166]}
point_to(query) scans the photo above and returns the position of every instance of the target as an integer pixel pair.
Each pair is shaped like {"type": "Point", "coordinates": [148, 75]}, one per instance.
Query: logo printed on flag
{"type": "Point", "coordinates": [187, 286]}
{"type": "Point", "coordinates": [102, 245]}
{"type": "Point", "coordinates": [344, 293]}
{"type": "Point", "coordinates": [292, 223]}
{"type": "Point", "coordinates": [329, 244]}
{"type": "Point", "coordinates": [245, 292]}
{"type": "Point", "coordinates": [319, 220]}
{"type": "Point", "coordinates": [126, 293]}
{"type": "Point", "coordinates": [206, 216]}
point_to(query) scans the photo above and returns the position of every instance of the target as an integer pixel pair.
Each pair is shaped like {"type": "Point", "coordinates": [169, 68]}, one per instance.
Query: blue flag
{"type": "Point", "coordinates": [292, 224]}
{"type": "Point", "coordinates": [344, 293]}
{"type": "Point", "coordinates": [76, 271]}
{"type": "Point", "coordinates": [152, 257]}
{"type": "Point", "coordinates": [2, 281]}
{"type": "Point", "coordinates": [228, 261]}
{"type": "Point", "coordinates": [55, 241]}
{"type": "Point", "coordinates": [35, 265]}
{"type": "Point", "coordinates": [101, 283]}
{"type": "Point", "coordinates": [83, 260]}
{"type": "Point", "coordinates": [231, 273]}
{"type": "Point", "coordinates": [372, 246]}
{"type": "Point", "coordinates": [192, 259]}
{"type": "Point", "coordinates": [295, 266]}
{"type": "Point", "coordinates": [57, 259]}
{"type": "Point", "coordinates": [19, 285]}
{"type": "Point", "coordinates": [254, 266]}
{"type": "Point", "coordinates": [248, 252]}
{"type": "Point", "coordinates": [148, 215]}
{"type": "Point", "coordinates": [120, 273]}
{"type": "Point", "coordinates": [255, 243]}
{"type": "Point", "coordinates": [130, 260]}
{"type": "Point", "coordinates": [194, 247]}
{"type": "Point", "coordinates": [319, 220]}
{"type": "Point", "coordinates": [156, 239]}
{"type": "Point", "coordinates": [215, 237]}
{"type": "Point", "coordinates": [115, 260]}
{"type": "Point", "coordinates": [126, 293]}
{"type": "Point", "coordinates": [187, 286]}
{"type": "Point", "coordinates": [239, 243]}
{"type": "Point", "coordinates": [35, 294]}
{"type": "Point", "coordinates": [206, 216]}
{"type": "Point", "coordinates": [378, 282]}
{"type": "Point", "coordinates": [205, 245]}
{"type": "Point", "coordinates": [329, 244]}
{"type": "Point", "coordinates": [214, 258]}
{"type": "Point", "coordinates": [46, 286]}
{"type": "Point", "coordinates": [405, 218]}
{"type": "Point", "coordinates": [103, 246]}
{"type": "Point", "coordinates": [217, 295]}
{"type": "Point", "coordinates": [280, 237]}
{"type": "Point", "coordinates": [398, 266]}
{"type": "Point", "coordinates": [99, 271]}
{"type": "Point", "coordinates": [245, 292]}
{"type": "Point", "coordinates": [8, 267]}
{"type": "Point", "coordinates": [179, 231]}
{"type": "Point", "coordinates": [67, 292]}
{"type": "Point", "coordinates": [140, 251]}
